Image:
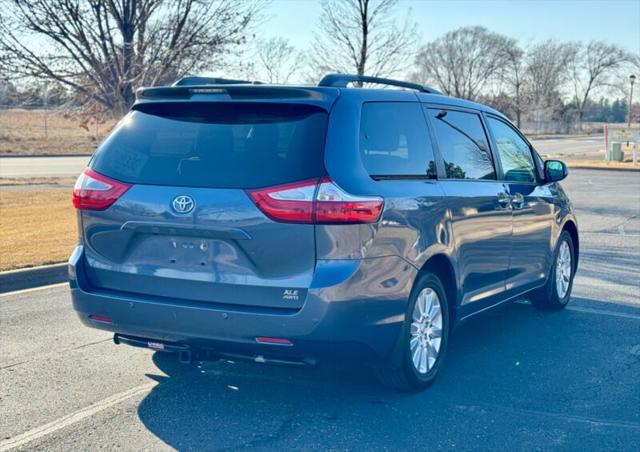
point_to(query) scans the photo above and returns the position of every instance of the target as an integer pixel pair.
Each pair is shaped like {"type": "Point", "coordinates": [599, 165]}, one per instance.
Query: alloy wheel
{"type": "Point", "coordinates": [563, 270]}
{"type": "Point", "coordinates": [426, 330]}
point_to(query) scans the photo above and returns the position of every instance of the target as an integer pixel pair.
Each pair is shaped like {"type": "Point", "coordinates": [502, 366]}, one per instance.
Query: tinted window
{"type": "Point", "coordinates": [394, 140]}
{"type": "Point", "coordinates": [463, 144]}
{"type": "Point", "coordinates": [215, 145]}
{"type": "Point", "coordinates": [514, 153]}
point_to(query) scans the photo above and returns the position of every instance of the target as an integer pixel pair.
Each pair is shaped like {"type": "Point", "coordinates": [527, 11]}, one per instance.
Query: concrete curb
{"type": "Point", "coordinates": [562, 136]}
{"type": "Point", "coordinates": [26, 278]}
{"type": "Point", "coordinates": [19, 156]}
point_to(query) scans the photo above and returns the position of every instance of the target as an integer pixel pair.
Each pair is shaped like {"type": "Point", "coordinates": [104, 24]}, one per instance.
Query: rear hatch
{"type": "Point", "coordinates": [176, 218]}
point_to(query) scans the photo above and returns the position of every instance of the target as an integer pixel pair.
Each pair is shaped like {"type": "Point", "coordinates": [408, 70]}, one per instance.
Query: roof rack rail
{"type": "Point", "coordinates": [342, 80]}
{"type": "Point", "coordinates": [194, 80]}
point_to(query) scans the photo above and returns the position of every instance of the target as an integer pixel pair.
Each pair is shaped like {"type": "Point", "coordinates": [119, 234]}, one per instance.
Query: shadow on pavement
{"type": "Point", "coordinates": [514, 378]}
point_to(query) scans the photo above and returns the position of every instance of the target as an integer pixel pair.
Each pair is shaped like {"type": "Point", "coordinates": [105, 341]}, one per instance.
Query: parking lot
{"type": "Point", "coordinates": [515, 378]}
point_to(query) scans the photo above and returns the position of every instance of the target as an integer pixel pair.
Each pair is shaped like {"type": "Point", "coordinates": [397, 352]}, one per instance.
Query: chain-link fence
{"type": "Point", "coordinates": [58, 130]}
{"type": "Point", "coordinates": [61, 130]}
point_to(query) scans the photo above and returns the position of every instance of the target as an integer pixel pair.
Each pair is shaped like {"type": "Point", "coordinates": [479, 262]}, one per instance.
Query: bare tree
{"type": "Point", "coordinates": [617, 83]}
{"type": "Point", "coordinates": [361, 36]}
{"type": "Point", "coordinates": [591, 67]}
{"type": "Point", "coordinates": [634, 61]}
{"type": "Point", "coordinates": [277, 60]}
{"type": "Point", "coordinates": [103, 49]}
{"type": "Point", "coordinates": [464, 61]}
{"type": "Point", "coordinates": [8, 93]}
{"type": "Point", "coordinates": [548, 70]}
{"type": "Point", "coordinates": [514, 77]}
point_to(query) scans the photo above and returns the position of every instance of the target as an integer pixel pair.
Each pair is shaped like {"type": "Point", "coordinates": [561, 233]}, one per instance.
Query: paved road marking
{"type": "Point", "coordinates": [33, 289]}
{"type": "Point", "coordinates": [87, 412]}
{"type": "Point", "coordinates": [72, 418]}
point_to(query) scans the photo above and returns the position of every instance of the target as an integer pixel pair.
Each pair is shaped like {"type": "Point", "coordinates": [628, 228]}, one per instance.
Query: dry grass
{"type": "Point", "coordinates": [36, 227]}
{"type": "Point", "coordinates": [22, 132]}
{"type": "Point", "coordinates": [34, 182]}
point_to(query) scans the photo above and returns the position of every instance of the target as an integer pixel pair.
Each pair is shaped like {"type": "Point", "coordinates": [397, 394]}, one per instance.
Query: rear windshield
{"type": "Point", "coordinates": [229, 145]}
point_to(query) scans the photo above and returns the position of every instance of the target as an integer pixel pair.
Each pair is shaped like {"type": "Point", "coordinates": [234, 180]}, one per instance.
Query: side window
{"type": "Point", "coordinates": [463, 144]}
{"type": "Point", "coordinates": [394, 140]}
{"type": "Point", "coordinates": [514, 153]}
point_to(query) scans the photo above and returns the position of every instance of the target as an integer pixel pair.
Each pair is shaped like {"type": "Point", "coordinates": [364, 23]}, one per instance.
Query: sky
{"type": "Point", "coordinates": [529, 21]}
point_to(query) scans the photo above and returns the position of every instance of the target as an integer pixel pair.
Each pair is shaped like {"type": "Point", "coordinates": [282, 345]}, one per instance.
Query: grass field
{"type": "Point", "coordinates": [37, 227]}
{"type": "Point", "coordinates": [35, 182]}
{"type": "Point", "coordinates": [22, 132]}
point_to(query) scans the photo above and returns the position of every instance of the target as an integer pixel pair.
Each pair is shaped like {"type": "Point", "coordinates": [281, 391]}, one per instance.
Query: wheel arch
{"type": "Point", "coordinates": [571, 227]}
{"type": "Point", "coordinates": [441, 266]}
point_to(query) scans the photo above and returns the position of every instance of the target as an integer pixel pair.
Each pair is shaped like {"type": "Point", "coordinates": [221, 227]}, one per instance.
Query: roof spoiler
{"type": "Point", "coordinates": [194, 80]}
{"type": "Point", "coordinates": [342, 80]}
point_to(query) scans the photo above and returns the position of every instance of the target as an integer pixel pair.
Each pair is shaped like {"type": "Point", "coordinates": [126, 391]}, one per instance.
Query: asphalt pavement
{"type": "Point", "coordinates": [53, 166]}
{"type": "Point", "coordinates": [515, 378]}
{"type": "Point", "coordinates": [576, 148]}
{"type": "Point", "coordinates": [571, 148]}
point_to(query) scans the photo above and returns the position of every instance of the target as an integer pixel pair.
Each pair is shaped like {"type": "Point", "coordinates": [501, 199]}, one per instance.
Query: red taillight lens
{"type": "Point", "coordinates": [316, 201]}
{"type": "Point", "coordinates": [291, 203]}
{"type": "Point", "coordinates": [94, 191]}
{"type": "Point", "coordinates": [101, 318]}
{"type": "Point", "coordinates": [273, 341]}
{"type": "Point", "coordinates": [334, 205]}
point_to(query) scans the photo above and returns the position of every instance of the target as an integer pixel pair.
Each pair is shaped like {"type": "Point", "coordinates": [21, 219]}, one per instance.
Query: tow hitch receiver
{"type": "Point", "coordinates": [184, 352]}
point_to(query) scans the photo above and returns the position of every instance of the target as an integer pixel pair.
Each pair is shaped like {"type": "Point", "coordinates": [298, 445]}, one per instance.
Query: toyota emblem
{"type": "Point", "coordinates": [183, 204]}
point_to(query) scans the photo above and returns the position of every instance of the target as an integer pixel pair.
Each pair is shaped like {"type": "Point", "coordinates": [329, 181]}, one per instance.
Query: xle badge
{"type": "Point", "coordinates": [290, 294]}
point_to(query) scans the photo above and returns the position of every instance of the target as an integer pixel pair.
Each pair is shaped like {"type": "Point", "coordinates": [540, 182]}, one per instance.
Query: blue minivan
{"type": "Point", "coordinates": [290, 224]}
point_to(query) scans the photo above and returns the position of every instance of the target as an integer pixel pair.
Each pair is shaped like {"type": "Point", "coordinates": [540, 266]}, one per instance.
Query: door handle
{"type": "Point", "coordinates": [517, 201]}
{"type": "Point", "coordinates": [503, 199]}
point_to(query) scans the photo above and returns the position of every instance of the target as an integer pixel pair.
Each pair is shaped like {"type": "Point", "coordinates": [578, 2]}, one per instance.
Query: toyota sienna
{"type": "Point", "coordinates": [291, 224]}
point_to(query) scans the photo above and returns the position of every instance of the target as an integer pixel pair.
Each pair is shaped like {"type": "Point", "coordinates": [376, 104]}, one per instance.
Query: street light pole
{"type": "Point", "coordinates": [636, 144]}
{"type": "Point", "coordinates": [632, 79]}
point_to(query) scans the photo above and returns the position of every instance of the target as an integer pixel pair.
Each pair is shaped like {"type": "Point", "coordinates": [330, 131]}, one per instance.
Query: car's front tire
{"type": "Point", "coordinates": [423, 340]}
{"type": "Point", "coordinates": [555, 294]}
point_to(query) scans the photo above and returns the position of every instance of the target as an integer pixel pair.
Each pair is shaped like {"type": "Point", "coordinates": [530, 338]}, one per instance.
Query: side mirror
{"type": "Point", "coordinates": [555, 170]}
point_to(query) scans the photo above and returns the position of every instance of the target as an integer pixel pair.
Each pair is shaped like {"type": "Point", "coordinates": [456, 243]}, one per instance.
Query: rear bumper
{"type": "Point", "coordinates": [354, 308]}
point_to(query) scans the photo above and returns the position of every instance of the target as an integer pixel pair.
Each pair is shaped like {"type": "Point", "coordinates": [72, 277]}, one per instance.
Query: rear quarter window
{"type": "Point", "coordinates": [215, 145]}
{"type": "Point", "coordinates": [394, 140]}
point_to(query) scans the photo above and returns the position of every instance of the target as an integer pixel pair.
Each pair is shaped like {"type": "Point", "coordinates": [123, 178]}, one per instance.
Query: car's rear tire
{"type": "Point", "coordinates": [423, 340]}
{"type": "Point", "coordinates": [555, 294]}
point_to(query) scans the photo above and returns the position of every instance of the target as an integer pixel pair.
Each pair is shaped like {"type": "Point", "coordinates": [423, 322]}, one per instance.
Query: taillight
{"type": "Point", "coordinates": [101, 318]}
{"type": "Point", "coordinates": [94, 191]}
{"type": "Point", "coordinates": [316, 201]}
{"type": "Point", "coordinates": [273, 341]}
{"type": "Point", "coordinates": [291, 203]}
{"type": "Point", "coordinates": [334, 205]}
